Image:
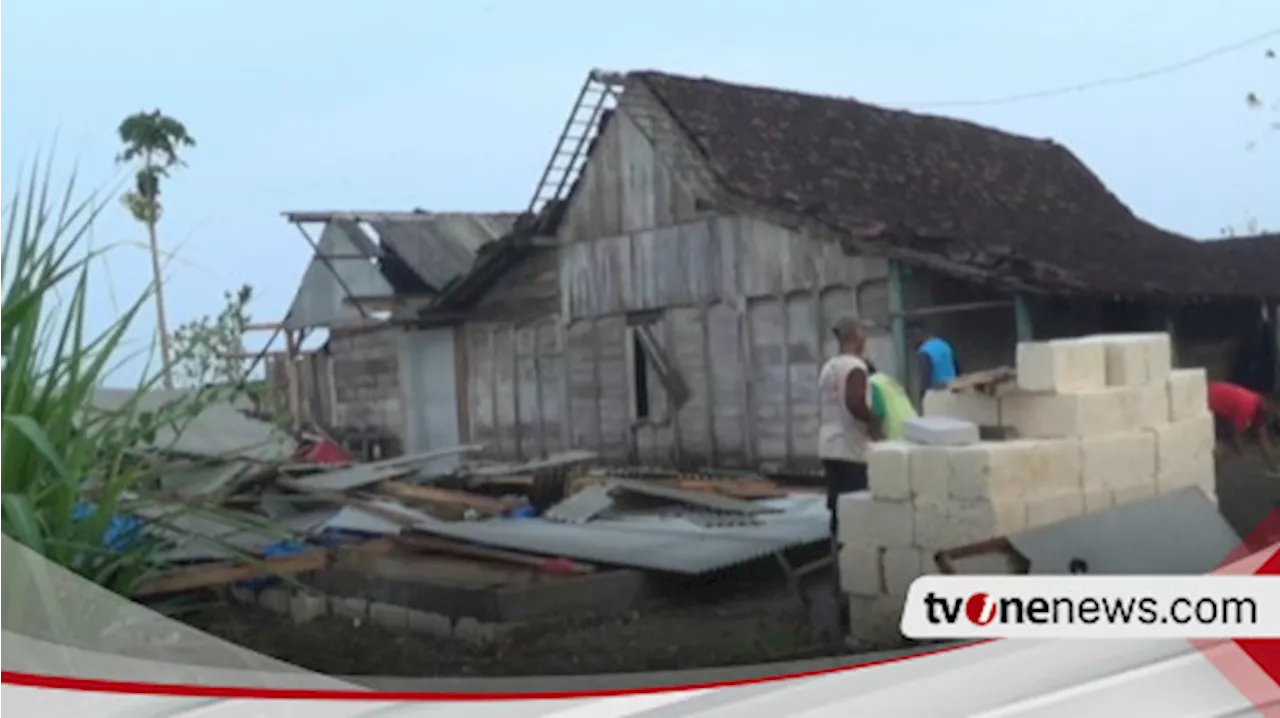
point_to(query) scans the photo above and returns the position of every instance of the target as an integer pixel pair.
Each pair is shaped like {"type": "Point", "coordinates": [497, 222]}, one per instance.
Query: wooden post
{"type": "Point", "coordinates": [291, 377]}
{"type": "Point", "coordinates": [1022, 315]}
{"type": "Point", "coordinates": [897, 302]}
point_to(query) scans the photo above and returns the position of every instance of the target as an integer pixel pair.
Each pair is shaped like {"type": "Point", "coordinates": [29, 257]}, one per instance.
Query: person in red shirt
{"type": "Point", "coordinates": [1238, 412]}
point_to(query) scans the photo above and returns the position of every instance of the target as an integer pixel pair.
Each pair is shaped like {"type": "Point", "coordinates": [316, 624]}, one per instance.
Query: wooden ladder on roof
{"type": "Point", "coordinates": [599, 94]}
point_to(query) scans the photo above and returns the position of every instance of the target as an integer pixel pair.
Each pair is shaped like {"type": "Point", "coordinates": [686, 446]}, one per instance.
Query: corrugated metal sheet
{"type": "Point", "coordinates": [713, 502]}
{"type": "Point", "coordinates": [1176, 534]}
{"type": "Point", "coordinates": [343, 263]}
{"type": "Point", "coordinates": [582, 506]}
{"type": "Point", "coordinates": [442, 247]}
{"type": "Point", "coordinates": [649, 542]}
{"type": "Point", "coordinates": [219, 431]}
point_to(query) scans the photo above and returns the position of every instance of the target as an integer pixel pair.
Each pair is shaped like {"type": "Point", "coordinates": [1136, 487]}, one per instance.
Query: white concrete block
{"type": "Point", "coordinates": [901, 567]}
{"type": "Point", "coordinates": [1131, 494]}
{"type": "Point", "coordinates": [1181, 445]}
{"type": "Point", "coordinates": [1008, 471]}
{"type": "Point", "coordinates": [1055, 508]}
{"type": "Point", "coordinates": [854, 513]}
{"type": "Point", "coordinates": [860, 571]}
{"type": "Point", "coordinates": [1118, 461]}
{"type": "Point", "coordinates": [952, 524]}
{"type": "Point", "coordinates": [1188, 394]}
{"type": "Point", "coordinates": [940, 431]}
{"type": "Point", "coordinates": [931, 471]}
{"type": "Point", "coordinates": [869, 524]}
{"type": "Point", "coordinates": [974, 406]}
{"type": "Point", "coordinates": [1096, 500]}
{"type": "Point", "coordinates": [1061, 416]}
{"type": "Point", "coordinates": [1135, 359]}
{"type": "Point", "coordinates": [1061, 366]}
{"type": "Point", "coordinates": [888, 469]}
{"type": "Point", "coordinates": [306, 607]}
{"type": "Point", "coordinates": [1146, 407]}
{"type": "Point", "coordinates": [1200, 470]}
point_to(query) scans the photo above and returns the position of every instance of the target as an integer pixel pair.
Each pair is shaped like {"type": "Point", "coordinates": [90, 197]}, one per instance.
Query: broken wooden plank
{"type": "Point", "coordinates": [986, 379]}
{"type": "Point", "coordinates": [226, 572]}
{"type": "Point", "coordinates": [733, 488]}
{"type": "Point", "coordinates": [420, 542]}
{"type": "Point", "coordinates": [442, 497]}
{"type": "Point", "coordinates": [371, 473]}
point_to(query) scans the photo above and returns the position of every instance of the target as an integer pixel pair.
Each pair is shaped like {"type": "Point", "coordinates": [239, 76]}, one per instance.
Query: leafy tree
{"type": "Point", "coordinates": [152, 141]}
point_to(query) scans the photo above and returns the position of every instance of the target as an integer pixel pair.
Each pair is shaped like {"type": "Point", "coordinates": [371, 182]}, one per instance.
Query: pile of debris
{"type": "Point", "coordinates": [248, 503]}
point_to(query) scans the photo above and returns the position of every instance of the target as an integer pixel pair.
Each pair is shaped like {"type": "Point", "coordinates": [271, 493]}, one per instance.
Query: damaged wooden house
{"type": "Point", "coordinates": [666, 298]}
{"type": "Point", "coordinates": [369, 272]}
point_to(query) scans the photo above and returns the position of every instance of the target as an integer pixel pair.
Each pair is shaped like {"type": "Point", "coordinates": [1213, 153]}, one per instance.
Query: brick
{"type": "Point", "coordinates": [888, 467]}
{"type": "Point", "coordinates": [428, 624]}
{"type": "Point", "coordinates": [243, 594]}
{"type": "Point", "coordinates": [1053, 509]}
{"type": "Point", "coordinates": [1135, 360]}
{"type": "Point", "coordinates": [306, 607]}
{"type": "Point", "coordinates": [952, 524]}
{"type": "Point", "coordinates": [1183, 445]}
{"type": "Point", "coordinates": [469, 630]}
{"type": "Point", "coordinates": [930, 471]}
{"type": "Point", "coordinates": [1004, 471]}
{"type": "Point", "coordinates": [1118, 461]}
{"type": "Point", "coordinates": [1096, 500]}
{"type": "Point", "coordinates": [901, 567]}
{"type": "Point", "coordinates": [1132, 494]}
{"type": "Point", "coordinates": [1188, 394]}
{"type": "Point", "coordinates": [860, 572]}
{"type": "Point", "coordinates": [875, 622]}
{"type": "Point", "coordinates": [356, 609]}
{"type": "Point", "coordinates": [1146, 407]}
{"type": "Point", "coordinates": [389, 616]}
{"type": "Point", "coordinates": [973, 406]}
{"type": "Point", "coordinates": [1062, 416]}
{"type": "Point", "coordinates": [1062, 366]}
{"type": "Point", "coordinates": [940, 431]}
{"type": "Point", "coordinates": [876, 523]}
{"type": "Point", "coordinates": [275, 599]}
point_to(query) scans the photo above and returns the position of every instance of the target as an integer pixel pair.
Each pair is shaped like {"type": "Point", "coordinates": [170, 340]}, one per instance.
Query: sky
{"type": "Point", "coordinates": [456, 106]}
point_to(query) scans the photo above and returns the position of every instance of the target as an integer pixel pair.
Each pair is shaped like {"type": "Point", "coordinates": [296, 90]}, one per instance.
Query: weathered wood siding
{"type": "Point", "coordinates": [629, 185]}
{"type": "Point", "coordinates": [514, 380]}
{"type": "Point", "coordinates": [742, 309]}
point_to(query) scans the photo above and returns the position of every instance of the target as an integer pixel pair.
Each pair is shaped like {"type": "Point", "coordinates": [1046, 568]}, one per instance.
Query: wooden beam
{"type": "Point", "coordinates": [952, 308]}
{"type": "Point", "coordinates": [433, 496]}
{"type": "Point", "coordinates": [1022, 316]}
{"type": "Point", "coordinates": [421, 542]}
{"type": "Point", "coordinates": [226, 572]}
{"type": "Point", "coordinates": [897, 305]}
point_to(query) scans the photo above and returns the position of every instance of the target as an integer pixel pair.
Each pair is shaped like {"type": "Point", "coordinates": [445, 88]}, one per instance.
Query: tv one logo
{"type": "Point", "coordinates": [980, 609]}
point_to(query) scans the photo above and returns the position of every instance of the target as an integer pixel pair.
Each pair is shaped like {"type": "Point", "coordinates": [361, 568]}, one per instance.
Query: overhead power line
{"type": "Point", "coordinates": [1104, 82]}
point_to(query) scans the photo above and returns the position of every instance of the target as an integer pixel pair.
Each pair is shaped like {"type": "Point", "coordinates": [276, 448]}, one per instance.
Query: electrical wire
{"type": "Point", "coordinates": [1103, 82]}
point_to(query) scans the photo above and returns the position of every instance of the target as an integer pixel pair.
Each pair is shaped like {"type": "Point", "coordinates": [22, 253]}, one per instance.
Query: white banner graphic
{"type": "Point", "coordinates": [1093, 607]}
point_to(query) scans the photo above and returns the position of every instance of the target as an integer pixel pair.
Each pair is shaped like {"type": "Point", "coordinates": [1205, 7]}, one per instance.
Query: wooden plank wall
{"type": "Point", "coordinates": [743, 310]}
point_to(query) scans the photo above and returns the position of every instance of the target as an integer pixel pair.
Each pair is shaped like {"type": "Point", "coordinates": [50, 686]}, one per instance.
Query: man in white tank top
{"type": "Point", "coordinates": [847, 426]}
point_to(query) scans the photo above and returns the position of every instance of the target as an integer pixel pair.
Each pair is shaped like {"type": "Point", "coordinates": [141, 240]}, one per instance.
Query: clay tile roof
{"type": "Point", "coordinates": [1011, 207]}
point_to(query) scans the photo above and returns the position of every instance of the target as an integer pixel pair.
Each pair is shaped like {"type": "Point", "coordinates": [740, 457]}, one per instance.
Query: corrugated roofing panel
{"type": "Point", "coordinates": [654, 543]}
{"type": "Point", "coordinates": [342, 268]}
{"type": "Point", "coordinates": [442, 247]}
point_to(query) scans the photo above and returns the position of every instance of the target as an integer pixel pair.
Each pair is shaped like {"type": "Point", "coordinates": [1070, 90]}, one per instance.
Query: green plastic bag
{"type": "Point", "coordinates": [891, 405]}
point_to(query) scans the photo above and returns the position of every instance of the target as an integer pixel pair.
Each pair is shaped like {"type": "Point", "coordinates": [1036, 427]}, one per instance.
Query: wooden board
{"type": "Point", "coordinates": [421, 542]}
{"type": "Point", "coordinates": [434, 496]}
{"type": "Point", "coordinates": [227, 572]}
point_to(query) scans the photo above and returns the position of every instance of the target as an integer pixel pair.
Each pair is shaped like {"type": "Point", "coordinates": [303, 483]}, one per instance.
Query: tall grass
{"type": "Point", "coordinates": [58, 454]}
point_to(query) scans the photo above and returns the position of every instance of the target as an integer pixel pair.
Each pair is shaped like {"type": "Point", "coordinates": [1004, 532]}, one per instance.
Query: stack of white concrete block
{"type": "Point", "coordinates": [1100, 421]}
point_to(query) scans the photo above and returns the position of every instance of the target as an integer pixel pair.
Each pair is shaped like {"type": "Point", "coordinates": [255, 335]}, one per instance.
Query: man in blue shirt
{"type": "Point", "coordinates": [937, 359]}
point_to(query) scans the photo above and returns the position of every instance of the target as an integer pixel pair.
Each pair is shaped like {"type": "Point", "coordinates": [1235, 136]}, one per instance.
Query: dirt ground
{"type": "Point", "coordinates": [708, 628]}
{"type": "Point", "coordinates": [1246, 494]}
